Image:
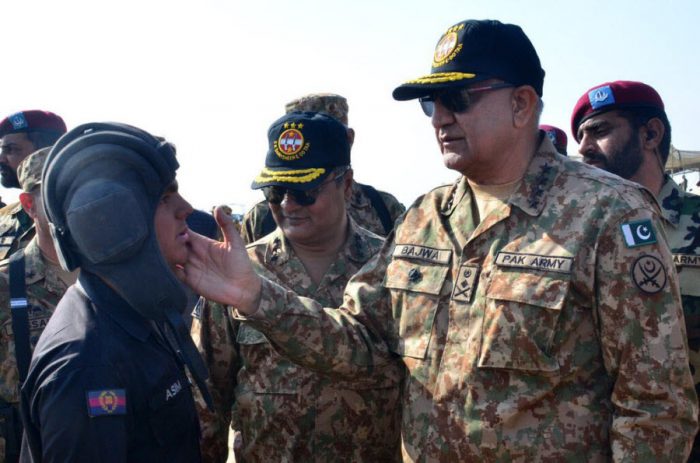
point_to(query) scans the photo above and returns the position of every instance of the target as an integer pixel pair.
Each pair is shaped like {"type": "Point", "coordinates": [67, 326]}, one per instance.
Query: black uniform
{"type": "Point", "coordinates": [105, 385]}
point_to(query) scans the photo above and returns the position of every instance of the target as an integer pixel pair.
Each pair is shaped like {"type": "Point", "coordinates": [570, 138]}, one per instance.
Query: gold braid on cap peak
{"type": "Point", "coordinates": [290, 176]}
{"type": "Point", "coordinates": [441, 77]}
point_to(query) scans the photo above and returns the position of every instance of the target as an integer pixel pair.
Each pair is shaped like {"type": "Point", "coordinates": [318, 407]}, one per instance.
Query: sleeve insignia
{"type": "Point", "coordinates": [106, 402]}
{"type": "Point", "coordinates": [638, 233]}
{"type": "Point", "coordinates": [649, 274]}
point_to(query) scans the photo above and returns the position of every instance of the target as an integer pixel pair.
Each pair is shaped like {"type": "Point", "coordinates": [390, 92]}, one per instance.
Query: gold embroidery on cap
{"type": "Point", "coordinates": [441, 77]}
{"type": "Point", "coordinates": [290, 176]}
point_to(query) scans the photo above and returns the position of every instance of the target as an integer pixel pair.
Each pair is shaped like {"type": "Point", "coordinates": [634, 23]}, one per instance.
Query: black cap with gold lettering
{"type": "Point", "coordinates": [304, 147]}
{"type": "Point", "coordinates": [475, 50]}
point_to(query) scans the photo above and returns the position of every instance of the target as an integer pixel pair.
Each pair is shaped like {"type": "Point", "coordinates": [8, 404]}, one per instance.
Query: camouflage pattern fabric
{"type": "Point", "coordinates": [681, 213]}
{"type": "Point", "coordinates": [285, 412]}
{"type": "Point", "coordinates": [44, 288]}
{"type": "Point", "coordinates": [360, 209]}
{"type": "Point", "coordinates": [543, 333]}
{"type": "Point", "coordinates": [16, 229]}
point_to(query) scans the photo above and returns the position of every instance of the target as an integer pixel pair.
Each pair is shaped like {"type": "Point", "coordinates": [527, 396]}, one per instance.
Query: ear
{"type": "Point", "coordinates": [653, 133]}
{"type": "Point", "coordinates": [524, 102]}
{"type": "Point", "coordinates": [351, 136]}
{"type": "Point", "coordinates": [27, 201]}
{"type": "Point", "coordinates": [347, 184]}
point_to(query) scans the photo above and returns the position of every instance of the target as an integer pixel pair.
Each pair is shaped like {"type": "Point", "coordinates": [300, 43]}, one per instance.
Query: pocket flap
{"type": "Point", "coordinates": [415, 276]}
{"type": "Point", "coordinates": [248, 335]}
{"type": "Point", "coordinates": [529, 288]}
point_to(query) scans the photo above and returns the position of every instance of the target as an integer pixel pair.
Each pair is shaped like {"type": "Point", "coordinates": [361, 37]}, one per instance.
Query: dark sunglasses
{"type": "Point", "coordinates": [456, 100]}
{"type": "Point", "coordinates": [275, 194]}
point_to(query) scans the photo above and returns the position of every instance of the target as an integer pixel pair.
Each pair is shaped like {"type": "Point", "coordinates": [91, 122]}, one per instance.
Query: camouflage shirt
{"type": "Point", "coordinates": [285, 412]}
{"type": "Point", "coordinates": [550, 331]}
{"type": "Point", "coordinates": [360, 209]}
{"type": "Point", "coordinates": [681, 213]}
{"type": "Point", "coordinates": [16, 229]}
{"type": "Point", "coordinates": [44, 287]}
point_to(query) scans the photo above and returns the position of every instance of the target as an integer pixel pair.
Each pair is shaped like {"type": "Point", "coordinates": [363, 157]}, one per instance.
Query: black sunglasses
{"type": "Point", "coordinates": [275, 194]}
{"type": "Point", "coordinates": [456, 100]}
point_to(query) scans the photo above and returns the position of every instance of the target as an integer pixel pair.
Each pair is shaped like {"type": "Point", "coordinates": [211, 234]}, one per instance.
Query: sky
{"type": "Point", "coordinates": [212, 75]}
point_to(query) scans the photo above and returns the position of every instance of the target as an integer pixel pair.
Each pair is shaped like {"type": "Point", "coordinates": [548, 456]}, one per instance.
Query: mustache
{"type": "Point", "coordinates": [595, 157]}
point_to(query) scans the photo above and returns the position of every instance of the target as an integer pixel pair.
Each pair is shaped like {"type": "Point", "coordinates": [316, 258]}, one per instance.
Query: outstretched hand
{"type": "Point", "coordinates": [221, 271]}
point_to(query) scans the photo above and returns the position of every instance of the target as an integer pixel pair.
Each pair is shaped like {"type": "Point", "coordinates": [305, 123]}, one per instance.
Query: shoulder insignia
{"type": "Point", "coordinates": [638, 233]}
{"type": "Point", "coordinates": [106, 402]}
{"type": "Point", "coordinates": [649, 274]}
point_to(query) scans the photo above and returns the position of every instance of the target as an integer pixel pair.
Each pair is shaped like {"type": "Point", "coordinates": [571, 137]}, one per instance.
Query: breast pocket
{"type": "Point", "coordinates": [520, 320]}
{"type": "Point", "coordinates": [415, 295]}
{"type": "Point", "coordinates": [172, 413]}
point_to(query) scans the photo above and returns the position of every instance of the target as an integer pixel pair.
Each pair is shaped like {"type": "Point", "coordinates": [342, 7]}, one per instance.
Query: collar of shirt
{"type": "Point", "coordinates": [109, 302]}
{"type": "Point", "coordinates": [358, 200]}
{"type": "Point", "coordinates": [531, 194]}
{"type": "Point", "coordinates": [357, 248]}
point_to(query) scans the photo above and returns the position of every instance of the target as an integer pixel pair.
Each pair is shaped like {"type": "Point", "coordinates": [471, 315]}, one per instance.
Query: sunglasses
{"type": "Point", "coordinates": [275, 194]}
{"type": "Point", "coordinates": [456, 100]}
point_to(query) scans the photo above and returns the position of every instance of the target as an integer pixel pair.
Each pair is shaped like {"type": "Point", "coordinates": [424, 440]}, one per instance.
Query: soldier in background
{"type": "Point", "coordinates": [557, 136]}
{"type": "Point", "coordinates": [21, 134]}
{"type": "Point", "coordinates": [34, 281]}
{"type": "Point", "coordinates": [282, 412]}
{"type": "Point", "coordinates": [622, 127]}
{"type": "Point", "coordinates": [533, 302]}
{"type": "Point", "coordinates": [372, 209]}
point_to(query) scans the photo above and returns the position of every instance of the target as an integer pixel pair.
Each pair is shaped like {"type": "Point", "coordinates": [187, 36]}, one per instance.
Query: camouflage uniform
{"type": "Point", "coordinates": [16, 229]}
{"type": "Point", "coordinates": [539, 334]}
{"type": "Point", "coordinates": [44, 287]}
{"type": "Point", "coordinates": [681, 214]}
{"type": "Point", "coordinates": [360, 209]}
{"type": "Point", "coordinates": [284, 412]}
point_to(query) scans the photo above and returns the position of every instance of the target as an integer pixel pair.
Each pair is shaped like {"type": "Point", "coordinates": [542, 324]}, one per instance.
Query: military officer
{"type": "Point", "coordinates": [533, 302]}
{"type": "Point", "coordinates": [34, 298]}
{"type": "Point", "coordinates": [372, 209]}
{"type": "Point", "coordinates": [283, 412]}
{"type": "Point", "coordinates": [622, 127]}
{"type": "Point", "coordinates": [21, 134]}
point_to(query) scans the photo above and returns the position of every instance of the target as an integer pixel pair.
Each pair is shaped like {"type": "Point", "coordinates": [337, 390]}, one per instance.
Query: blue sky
{"type": "Point", "coordinates": [212, 75]}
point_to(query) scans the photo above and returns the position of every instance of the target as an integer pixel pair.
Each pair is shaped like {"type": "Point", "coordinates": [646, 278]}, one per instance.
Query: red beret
{"type": "Point", "coordinates": [621, 94]}
{"type": "Point", "coordinates": [557, 136]}
{"type": "Point", "coordinates": [32, 121]}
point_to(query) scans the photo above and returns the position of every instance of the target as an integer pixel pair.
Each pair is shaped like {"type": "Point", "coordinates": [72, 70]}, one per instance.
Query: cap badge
{"type": "Point", "coordinates": [290, 144]}
{"type": "Point", "coordinates": [552, 136]}
{"type": "Point", "coordinates": [447, 48]}
{"type": "Point", "coordinates": [601, 96]}
{"type": "Point", "coordinates": [18, 121]}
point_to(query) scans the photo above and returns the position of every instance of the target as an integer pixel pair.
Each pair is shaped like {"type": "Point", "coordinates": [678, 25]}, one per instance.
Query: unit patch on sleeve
{"type": "Point", "coordinates": [561, 264]}
{"type": "Point", "coordinates": [649, 274]}
{"type": "Point", "coordinates": [466, 283]}
{"type": "Point", "coordinates": [413, 251]}
{"type": "Point", "coordinates": [638, 233]}
{"type": "Point", "coordinates": [106, 402]}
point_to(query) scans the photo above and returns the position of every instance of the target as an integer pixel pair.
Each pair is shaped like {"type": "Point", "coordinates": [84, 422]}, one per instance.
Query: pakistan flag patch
{"type": "Point", "coordinates": [638, 233]}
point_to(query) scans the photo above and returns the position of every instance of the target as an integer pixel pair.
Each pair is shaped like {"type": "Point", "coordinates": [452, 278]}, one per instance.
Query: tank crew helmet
{"type": "Point", "coordinates": [102, 183]}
